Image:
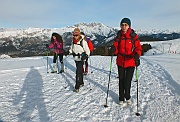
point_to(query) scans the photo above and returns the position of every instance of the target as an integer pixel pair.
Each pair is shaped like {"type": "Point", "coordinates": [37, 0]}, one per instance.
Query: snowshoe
{"type": "Point", "coordinates": [81, 85]}
{"type": "Point", "coordinates": [121, 102]}
{"type": "Point", "coordinates": [76, 90]}
{"type": "Point", "coordinates": [128, 102]}
{"type": "Point", "coordinates": [61, 71]}
{"type": "Point", "coordinates": [54, 71]}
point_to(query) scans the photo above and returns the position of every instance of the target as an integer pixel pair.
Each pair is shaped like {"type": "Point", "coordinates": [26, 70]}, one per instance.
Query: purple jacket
{"type": "Point", "coordinates": [58, 47]}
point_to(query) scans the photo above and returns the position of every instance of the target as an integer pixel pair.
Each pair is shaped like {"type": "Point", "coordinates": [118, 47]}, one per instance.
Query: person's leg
{"type": "Point", "coordinates": [83, 68]}
{"type": "Point", "coordinates": [61, 61]}
{"type": "Point", "coordinates": [128, 79]}
{"type": "Point", "coordinates": [54, 62]}
{"type": "Point", "coordinates": [54, 58]}
{"type": "Point", "coordinates": [121, 72]}
{"type": "Point", "coordinates": [79, 74]}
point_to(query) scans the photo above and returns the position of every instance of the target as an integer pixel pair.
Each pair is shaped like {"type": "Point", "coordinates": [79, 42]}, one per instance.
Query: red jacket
{"type": "Point", "coordinates": [125, 50]}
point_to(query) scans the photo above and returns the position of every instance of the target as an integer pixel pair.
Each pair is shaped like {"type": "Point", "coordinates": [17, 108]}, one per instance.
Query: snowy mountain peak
{"type": "Point", "coordinates": [87, 28]}
{"type": "Point", "coordinates": [93, 24]}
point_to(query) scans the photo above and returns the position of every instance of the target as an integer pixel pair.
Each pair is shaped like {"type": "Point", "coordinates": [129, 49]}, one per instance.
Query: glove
{"type": "Point", "coordinates": [66, 53]}
{"type": "Point", "coordinates": [84, 56]}
{"type": "Point", "coordinates": [113, 49]}
{"type": "Point", "coordinates": [136, 56]}
{"type": "Point", "coordinates": [55, 45]}
{"type": "Point", "coordinates": [47, 45]}
{"type": "Point", "coordinates": [137, 60]}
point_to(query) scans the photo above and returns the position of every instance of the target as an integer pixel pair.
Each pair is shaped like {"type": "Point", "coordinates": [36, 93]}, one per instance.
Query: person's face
{"type": "Point", "coordinates": [77, 37]}
{"type": "Point", "coordinates": [124, 27]}
{"type": "Point", "coordinates": [54, 37]}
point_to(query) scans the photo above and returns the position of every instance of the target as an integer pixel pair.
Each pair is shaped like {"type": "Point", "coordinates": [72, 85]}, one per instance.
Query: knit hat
{"type": "Point", "coordinates": [126, 20]}
{"type": "Point", "coordinates": [76, 31]}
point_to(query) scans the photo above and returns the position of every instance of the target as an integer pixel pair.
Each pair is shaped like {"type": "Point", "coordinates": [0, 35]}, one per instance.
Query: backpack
{"type": "Point", "coordinates": [132, 34]}
{"type": "Point", "coordinates": [89, 42]}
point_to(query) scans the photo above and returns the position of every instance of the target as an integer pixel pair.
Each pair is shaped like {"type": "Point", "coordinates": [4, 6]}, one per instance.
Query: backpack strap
{"type": "Point", "coordinates": [118, 35]}
{"type": "Point", "coordinates": [119, 38]}
{"type": "Point", "coordinates": [81, 41]}
{"type": "Point", "coordinates": [73, 53]}
{"type": "Point", "coordinates": [132, 34]}
{"type": "Point", "coordinates": [82, 44]}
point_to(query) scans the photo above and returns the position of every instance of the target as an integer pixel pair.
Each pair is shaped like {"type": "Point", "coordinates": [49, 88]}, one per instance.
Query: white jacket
{"type": "Point", "coordinates": [78, 49]}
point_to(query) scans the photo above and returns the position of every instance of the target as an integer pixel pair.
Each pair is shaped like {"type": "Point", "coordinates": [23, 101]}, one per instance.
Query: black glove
{"type": "Point", "coordinates": [84, 56]}
{"type": "Point", "coordinates": [47, 45]}
{"type": "Point", "coordinates": [66, 53]}
{"type": "Point", "coordinates": [55, 46]}
{"type": "Point", "coordinates": [113, 49]}
{"type": "Point", "coordinates": [137, 60]}
{"type": "Point", "coordinates": [136, 56]}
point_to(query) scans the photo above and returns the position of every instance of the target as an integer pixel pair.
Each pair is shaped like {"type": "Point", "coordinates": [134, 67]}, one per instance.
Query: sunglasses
{"type": "Point", "coordinates": [75, 35]}
{"type": "Point", "coordinates": [124, 24]}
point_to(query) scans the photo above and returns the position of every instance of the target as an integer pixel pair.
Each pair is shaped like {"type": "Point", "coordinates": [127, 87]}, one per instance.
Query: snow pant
{"type": "Point", "coordinates": [60, 57]}
{"type": "Point", "coordinates": [125, 77]}
{"type": "Point", "coordinates": [79, 74]}
{"type": "Point", "coordinates": [86, 66]}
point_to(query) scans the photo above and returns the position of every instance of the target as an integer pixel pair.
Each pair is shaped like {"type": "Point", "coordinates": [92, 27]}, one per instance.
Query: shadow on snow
{"type": "Point", "coordinates": [33, 100]}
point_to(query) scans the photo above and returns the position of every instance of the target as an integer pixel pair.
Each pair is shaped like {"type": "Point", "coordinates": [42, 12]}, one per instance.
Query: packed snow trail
{"type": "Point", "coordinates": [29, 93]}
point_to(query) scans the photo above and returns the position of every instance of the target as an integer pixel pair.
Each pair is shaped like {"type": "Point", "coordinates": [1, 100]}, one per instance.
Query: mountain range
{"type": "Point", "coordinates": [31, 41]}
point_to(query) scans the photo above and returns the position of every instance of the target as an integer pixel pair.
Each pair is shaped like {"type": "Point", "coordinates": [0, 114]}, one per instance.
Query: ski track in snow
{"type": "Point", "coordinates": [32, 94]}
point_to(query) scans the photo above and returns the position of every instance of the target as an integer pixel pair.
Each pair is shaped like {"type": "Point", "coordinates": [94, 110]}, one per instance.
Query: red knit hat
{"type": "Point", "coordinates": [76, 31]}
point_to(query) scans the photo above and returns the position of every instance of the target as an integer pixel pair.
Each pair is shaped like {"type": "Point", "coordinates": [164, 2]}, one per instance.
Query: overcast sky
{"type": "Point", "coordinates": [144, 14]}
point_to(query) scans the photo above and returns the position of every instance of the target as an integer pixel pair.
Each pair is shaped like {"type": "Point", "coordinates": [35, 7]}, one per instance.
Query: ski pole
{"type": "Point", "coordinates": [65, 60]}
{"type": "Point", "coordinates": [47, 61]}
{"type": "Point", "coordinates": [109, 80]}
{"type": "Point", "coordinates": [90, 63]}
{"type": "Point", "coordinates": [65, 65]}
{"type": "Point", "coordinates": [57, 65]}
{"type": "Point", "coordinates": [137, 113]}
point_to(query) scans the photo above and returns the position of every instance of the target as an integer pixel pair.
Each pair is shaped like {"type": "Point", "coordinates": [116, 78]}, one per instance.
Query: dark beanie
{"type": "Point", "coordinates": [126, 20]}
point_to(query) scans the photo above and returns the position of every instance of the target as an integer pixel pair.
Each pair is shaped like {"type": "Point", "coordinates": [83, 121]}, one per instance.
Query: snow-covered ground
{"type": "Point", "coordinates": [28, 93]}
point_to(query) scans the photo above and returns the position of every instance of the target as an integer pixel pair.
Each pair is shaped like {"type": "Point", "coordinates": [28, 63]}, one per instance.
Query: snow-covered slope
{"type": "Point", "coordinates": [29, 93]}
{"type": "Point", "coordinates": [170, 46]}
